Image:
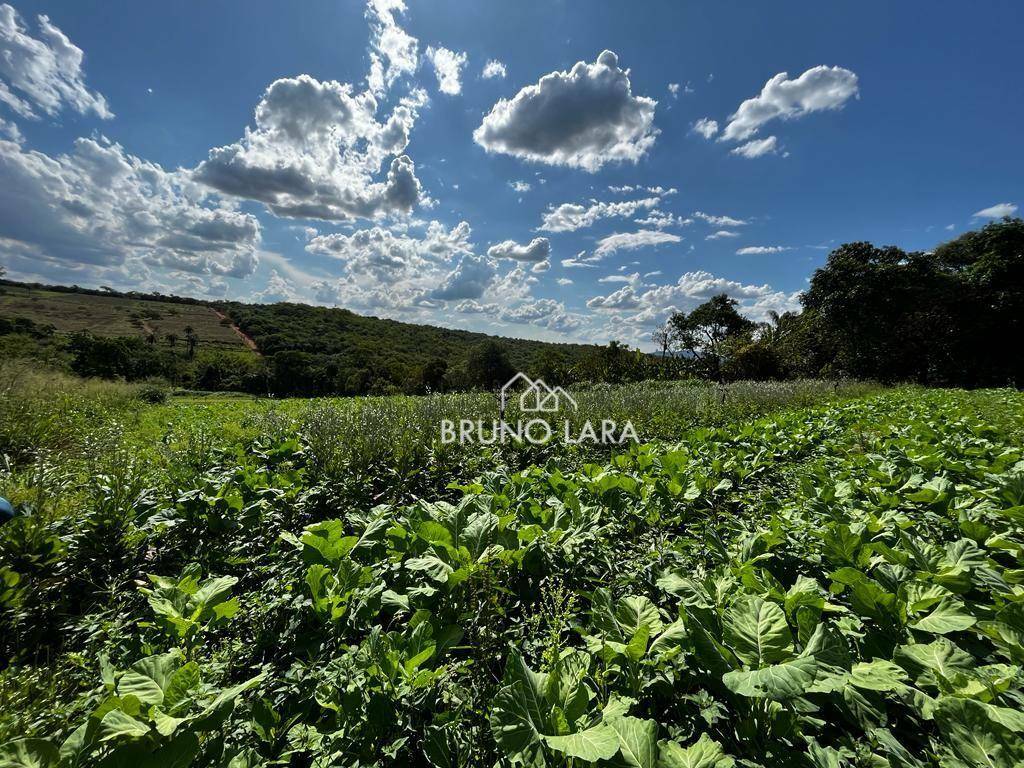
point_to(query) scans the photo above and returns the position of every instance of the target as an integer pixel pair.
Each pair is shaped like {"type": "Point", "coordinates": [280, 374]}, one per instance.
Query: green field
{"type": "Point", "coordinates": [117, 315]}
{"type": "Point", "coordinates": [800, 574]}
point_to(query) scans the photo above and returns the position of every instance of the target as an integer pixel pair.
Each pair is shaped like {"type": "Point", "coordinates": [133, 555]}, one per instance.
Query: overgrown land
{"type": "Point", "coordinates": [782, 574]}
{"type": "Point", "coordinates": [794, 566]}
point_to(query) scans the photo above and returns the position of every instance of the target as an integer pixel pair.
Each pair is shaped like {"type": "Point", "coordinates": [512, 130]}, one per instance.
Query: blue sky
{"type": "Point", "coordinates": [619, 161]}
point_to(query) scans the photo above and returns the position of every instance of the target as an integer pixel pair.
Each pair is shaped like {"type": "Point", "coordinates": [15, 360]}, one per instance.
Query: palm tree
{"type": "Point", "coordinates": [172, 339]}
{"type": "Point", "coordinates": [191, 341]}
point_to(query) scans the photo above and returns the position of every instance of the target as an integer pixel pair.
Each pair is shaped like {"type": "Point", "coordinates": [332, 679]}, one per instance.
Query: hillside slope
{"type": "Point", "coordinates": [332, 338]}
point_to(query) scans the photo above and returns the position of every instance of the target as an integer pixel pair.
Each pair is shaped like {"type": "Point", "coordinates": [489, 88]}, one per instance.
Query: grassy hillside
{"type": "Point", "coordinates": [361, 341]}
{"type": "Point", "coordinates": [116, 315]}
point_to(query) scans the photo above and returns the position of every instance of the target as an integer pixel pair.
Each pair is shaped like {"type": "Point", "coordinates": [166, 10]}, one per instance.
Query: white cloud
{"type": "Point", "coordinates": [537, 250]}
{"type": "Point", "coordinates": [520, 186]}
{"type": "Point", "coordinates": [753, 250]}
{"type": "Point", "coordinates": [673, 88]}
{"type": "Point", "coordinates": [706, 127]}
{"type": "Point", "coordinates": [819, 88]}
{"type": "Point", "coordinates": [393, 51]}
{"type": "Point", "coordinates": [468, 280]}
{"type": "Point", "coordinates": [661, 220]}
{"type": "Point", "coordinates": [581, 261]}
{"type": "Point", "coordinates": [43, 73]}
{"type": "Point", "coordinates": [721, 234]}
{"type": "Point", "coordinates": [619, 278]}
{"type": "Point", "coordinates": [564, 281]}
{"type": "Point", "coordinates": [655, 273]}
{"type": "Point", "coordinates": [389, 257]}
{"type": "Point", "coordinates": [97, 205]}
{"type": "Point", "coordinates": [630, 241]}
{"type": "Point", "coordinates": [278, 288]}
{"type": "Point", "coordinates": [493, 68]}
{"type": "Point", "coordinates": [997, 211]}
{"type": "Point", "coordinates": [448, 68]}
{"type": "Point", "coordinates": [719, 221]}
{"type": "Point", "coordinates": [624, 298]}
{"type": "Point", "coordinates": [568, 217]}
{"type": "Point", "coordinates": [757, 147]}
{"type": "Point", "coordinates": [545, 312]}
{"type": "Point", "coordinates": [315, 152]}
{"type": "Point", "coordinates": [583, 118]}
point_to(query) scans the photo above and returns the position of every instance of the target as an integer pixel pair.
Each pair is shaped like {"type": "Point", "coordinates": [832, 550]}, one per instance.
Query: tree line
{"type": "Point", "coordinates": [948, 317]}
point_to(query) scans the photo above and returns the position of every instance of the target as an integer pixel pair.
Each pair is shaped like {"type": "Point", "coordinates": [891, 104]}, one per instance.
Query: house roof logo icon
{"type": "Point", "coordinates": [537, 397]}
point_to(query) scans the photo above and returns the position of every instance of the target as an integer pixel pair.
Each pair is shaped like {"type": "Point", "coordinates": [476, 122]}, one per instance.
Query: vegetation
{"type": "Point", "coordinates": [832, 580]}
{"type": "Point", "coordinates": [940, 318]}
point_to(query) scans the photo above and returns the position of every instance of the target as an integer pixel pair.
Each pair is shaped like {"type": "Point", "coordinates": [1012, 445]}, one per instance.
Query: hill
{"type": "Point", "coordinates": [114, 314]}
{"type": "Point", "coordinates": [360, 341]}
{"type": "Point", "coordinates": [305, 350]}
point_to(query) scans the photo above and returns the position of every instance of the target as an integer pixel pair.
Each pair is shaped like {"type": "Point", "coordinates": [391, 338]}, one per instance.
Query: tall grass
{"type": "Point", "coordinates": [43, 410]}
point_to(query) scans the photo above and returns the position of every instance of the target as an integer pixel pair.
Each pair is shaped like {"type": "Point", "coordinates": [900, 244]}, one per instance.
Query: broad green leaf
{"type": "Point", "coordinates": [777, 682]}
{"type": "Point", "coordinates": [29, 753]}
{"type": "Point", "coordinates": [703, 753]}
{"type": "Point", "coordinates": [878, 675]}
{"type": "Point", "coordinates": [947, 616]}
{"type": "Point", "coordinates": [118, 725]}
{"type": "Point", "coordinates": [757, 632]}
{"type": "Point", "coordinates": [513, 726]}
{"type": "Point", "coordinates": [935, 661]}
{"type": "Point", "coordinates": [974, 737]}
{"type": "Point", "coordinates": [637, 740]}
{"type": "Point", "coordinates": [599, 742]}
{"type": "Point", "coordinates": [149, 678]}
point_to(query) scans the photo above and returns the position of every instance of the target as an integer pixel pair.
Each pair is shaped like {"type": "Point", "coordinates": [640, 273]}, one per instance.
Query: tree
{"type": "Point", "coordinates": [664, 337]}
{"type": "Point", "coordinates": [431, 376]}
{"type": "Point", "coordinates": [172, 339]}
{"type": "Point", "coordinates": [703, 332]}
{"type": "Point", "coordinates": [487, 366]}
{"type": "Point", "coordinates": [191, 341]}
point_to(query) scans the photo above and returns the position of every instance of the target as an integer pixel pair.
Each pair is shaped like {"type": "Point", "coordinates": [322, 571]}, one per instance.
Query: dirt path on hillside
{"type": "Point", "coordinates": [247, 340]}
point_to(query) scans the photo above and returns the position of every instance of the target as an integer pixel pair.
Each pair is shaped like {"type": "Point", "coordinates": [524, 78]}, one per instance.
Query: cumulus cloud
{"type": "Point", "coordinates": [706, 127]}
{"type": "Point", "coordinates": [388, 256]}
{"type": "Point", "coordinates": [564, 281]}
{"type": "Point", "coordinates": [537, 250]}
{"type": "Point", "coordinates": [583, 118]}
{"type": "Point", "coordinates": [493, 68]}
{"type": "Point", "coordinates": [43, 73]}
{"type": "Point", "coordinates": [520, 186]}
{"type": "Point", "coordinates": [722, 234]}
{"type": "Point", "coordinates": [624, 298]}
{"type": "Point", "coordinates": [546, 313]}
{"type": "Point", "coordinates": [631, 241]}
{"type": "Point", "coordinates": [568, 217]}
{"type": "Point", "coordinates": [393, 51]}
{"type": "Point", "coordinates": [630, 313]}
{"type": "Point", "coordinates": [997, 211]}
{"type": "Point", "coordinates": [757, 147]}
{"type": "Point", "coordinates": [448, 68]}
{"type": "Point", "coordinates": [98, 205]}
{"type": "Point", "coordinates": [819, 88]}
{"type": "Point", "coordinates": [756, 250]}
{"type": "Point", "coordinates": [318, 152]}
{"type": "Point", "coordinates": [468, 280]}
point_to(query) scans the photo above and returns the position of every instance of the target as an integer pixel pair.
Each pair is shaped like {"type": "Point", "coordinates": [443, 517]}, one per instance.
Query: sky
{"type": "Point", "coordinates": [549, 169]}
